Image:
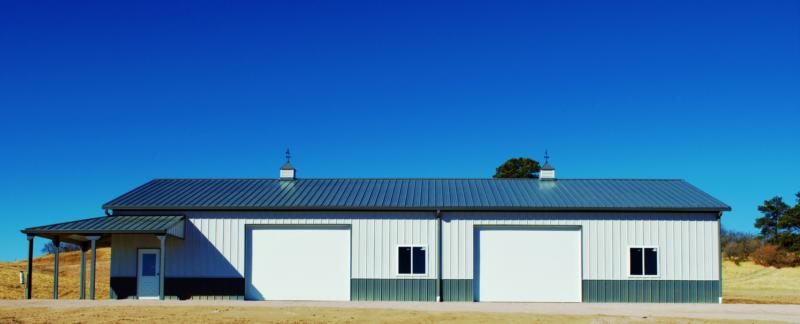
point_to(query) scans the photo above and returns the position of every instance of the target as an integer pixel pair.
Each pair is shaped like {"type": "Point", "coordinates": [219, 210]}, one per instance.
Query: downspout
{"type": "Point", "coordinates": [719, 242]}
{"type": "Point", "coordinates": [439, 271]}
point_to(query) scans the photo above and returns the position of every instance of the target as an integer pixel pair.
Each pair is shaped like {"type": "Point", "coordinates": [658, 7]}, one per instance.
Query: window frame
{"type": "Point", "coordinates": [643, 247]}
{"type": "Point", "coordinates": [397, 260]}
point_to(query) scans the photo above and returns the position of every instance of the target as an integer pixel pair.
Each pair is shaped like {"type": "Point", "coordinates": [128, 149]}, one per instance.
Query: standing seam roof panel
{"type": "Point", "coordinates": [416, 193]}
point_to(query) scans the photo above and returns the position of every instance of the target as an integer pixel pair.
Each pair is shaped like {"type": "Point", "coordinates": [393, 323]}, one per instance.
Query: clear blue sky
{"type": "Point", "coordinates": [97, 98]}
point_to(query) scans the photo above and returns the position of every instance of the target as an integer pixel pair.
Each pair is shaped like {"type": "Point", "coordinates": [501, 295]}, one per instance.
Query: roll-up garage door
{"type": "Point", "coordinates": [528, 264]}
{"type": "Point", "coordinates": [298, 263]}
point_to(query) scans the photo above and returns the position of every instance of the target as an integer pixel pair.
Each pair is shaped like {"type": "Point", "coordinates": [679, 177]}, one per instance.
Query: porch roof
{"type": "Point", "coordinates": [77, 231]}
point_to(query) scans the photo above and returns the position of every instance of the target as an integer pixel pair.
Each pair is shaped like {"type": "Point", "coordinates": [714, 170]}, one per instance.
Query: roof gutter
{"type": "Point", "coordinates": [428, 209]}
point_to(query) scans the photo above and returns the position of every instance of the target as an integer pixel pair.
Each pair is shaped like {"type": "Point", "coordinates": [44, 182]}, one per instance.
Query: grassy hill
{"type": "Point", "coordinates": [746, 283]}
{"type": "Point", "coordinates": [753, 284]}
{"type": "Point", "coordinates": [68, 279]}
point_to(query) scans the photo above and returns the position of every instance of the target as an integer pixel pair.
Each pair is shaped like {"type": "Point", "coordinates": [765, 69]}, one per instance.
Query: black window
{"type": "Point", "coordinates": [411, 260]}
{"type": "Point", "coordinates": [636, 261]}
{"type": "Point", "coordinates": [404, 260]}
{"type": "Point", "coordinates": [643, 261]}
{"type": "Point", "coordinates": [650, 262]}
{"type": "Point", "coordinates": [419, 260]}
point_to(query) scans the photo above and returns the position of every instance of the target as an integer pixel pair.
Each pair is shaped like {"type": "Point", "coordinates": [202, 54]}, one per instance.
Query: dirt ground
{"type": "Point", "coordinates": [108, 311]}
{"type": "Point", "coordinates": [46, 311]}
{"type": "Point", "coordinates": [746, 283]}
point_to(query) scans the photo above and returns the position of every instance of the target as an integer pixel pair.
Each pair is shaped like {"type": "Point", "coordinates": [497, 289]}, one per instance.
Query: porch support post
{"type": "Point", "coordinates": [83, 270]}
{"type": "Point", "coordinates": [57, 245]}
{"type": "Point", "coordinates": [161, 272]}
{"type": "Point", "coordinates": [93, 240]}
{"type": "Point", "coordinates": [28, 285]}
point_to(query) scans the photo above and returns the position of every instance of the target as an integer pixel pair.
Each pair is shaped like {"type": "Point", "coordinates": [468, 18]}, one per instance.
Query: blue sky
{"type": "Point", "coordinates": [99, 97]}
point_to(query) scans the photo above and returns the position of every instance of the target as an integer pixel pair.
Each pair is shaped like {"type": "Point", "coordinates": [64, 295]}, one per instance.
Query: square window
{"type": "Point", "coordinates": [412, 260]}
{"type": "Point", "coordinates": [643, 261]}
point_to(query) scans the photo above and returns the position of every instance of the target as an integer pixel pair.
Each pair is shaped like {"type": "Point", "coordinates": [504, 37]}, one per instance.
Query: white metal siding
{"type": "Point", "coordinates": [214, 242]}
{"type": "Point", "coordinates": [688, 243]}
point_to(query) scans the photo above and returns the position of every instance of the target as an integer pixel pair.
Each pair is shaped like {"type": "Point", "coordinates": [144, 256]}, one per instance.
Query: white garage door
{"type": "Point", "coordinates": [530, 264]}
{"type": "Point", "coordinates": [298, 263]}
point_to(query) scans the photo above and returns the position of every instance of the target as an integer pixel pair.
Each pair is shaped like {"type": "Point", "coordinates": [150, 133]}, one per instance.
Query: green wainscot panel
{"type": "Point", "coordinates": [457, 290]}
{"type": "Point", "coordinates": [651, 291]}
{"type": "Point", "coordinates": [393, 289]}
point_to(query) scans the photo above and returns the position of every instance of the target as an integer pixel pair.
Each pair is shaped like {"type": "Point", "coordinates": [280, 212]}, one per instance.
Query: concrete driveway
{"type": "Point", "coordinates": [785, 313]}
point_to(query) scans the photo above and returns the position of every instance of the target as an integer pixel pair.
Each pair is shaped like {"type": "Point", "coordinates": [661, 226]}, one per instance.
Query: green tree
{"type": "Point", "coordinates": [789, 238]}
{"type": "Point", "coordinates": [769, 224]}
{"type": "Point", "coordinates": [518, 168]}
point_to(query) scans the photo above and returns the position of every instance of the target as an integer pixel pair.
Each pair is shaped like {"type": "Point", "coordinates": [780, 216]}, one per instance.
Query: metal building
{"type": "Point", "coordinates": [522, 240]}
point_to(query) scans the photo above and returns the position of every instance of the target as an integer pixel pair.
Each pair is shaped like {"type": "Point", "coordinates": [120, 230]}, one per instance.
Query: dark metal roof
{"type": "Point", "coordinates": [419, 194]}
{"type": "Point", "coordinates": [111, 225]}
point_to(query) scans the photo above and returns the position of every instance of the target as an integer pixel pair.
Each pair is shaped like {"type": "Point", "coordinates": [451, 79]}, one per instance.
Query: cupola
{"type": "Point", "coordinates": [547, 172]}
{"type": "Point", "coordinates": [288, 172]}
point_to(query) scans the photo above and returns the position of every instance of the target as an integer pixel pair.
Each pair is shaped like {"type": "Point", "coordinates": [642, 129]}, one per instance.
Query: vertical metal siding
{"type": "Point", "coordinates": [214, 242]}
{"type": "Point", "coordinates": [651, 291]}
{"type": "Point", "coordinates": [457, 290]}
{"type": "Point", "coordinates": [688, 243]}
{"type": "Point", "coordinates": [688, 250]}
{"type": "Point", "coordinates": [393, 289]}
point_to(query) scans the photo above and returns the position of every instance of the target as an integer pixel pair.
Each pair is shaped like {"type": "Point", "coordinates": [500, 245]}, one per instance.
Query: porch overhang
{"type": "Point", "coordinates": [96, 232]}
{"type": "Point", "coordinates": [79, 231]}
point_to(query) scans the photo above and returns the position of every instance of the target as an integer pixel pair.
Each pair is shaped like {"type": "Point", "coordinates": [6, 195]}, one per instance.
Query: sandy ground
{"type": "Point", "coordinates": [40, 311]}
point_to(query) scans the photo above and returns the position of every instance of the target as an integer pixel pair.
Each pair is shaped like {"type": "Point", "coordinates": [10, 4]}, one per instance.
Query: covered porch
{"type": "Point", "coordinates": [92, 233]}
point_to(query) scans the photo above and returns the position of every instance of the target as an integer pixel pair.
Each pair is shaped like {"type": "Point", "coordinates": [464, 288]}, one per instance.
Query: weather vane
{"type": "Point", "coordinates": [546, 157]}
{"type": "Point", "coordinates": [288, 155]}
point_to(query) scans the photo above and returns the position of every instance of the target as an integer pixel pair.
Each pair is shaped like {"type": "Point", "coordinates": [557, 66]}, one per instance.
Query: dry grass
{"type": "Point", "coordinates": [753, 284]}
{"type": "Point", "coordinates": [232, 314]}
{"type": "Point", "coordinates": [68, 276]}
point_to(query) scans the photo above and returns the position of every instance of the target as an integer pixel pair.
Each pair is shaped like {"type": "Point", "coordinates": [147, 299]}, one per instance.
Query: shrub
{"type": "Point", "coordinates": [737, 246]}
{"type": "Point", "coordinates": [740, 250]}
{"type": "Point", "coordinates": [771, 256]}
